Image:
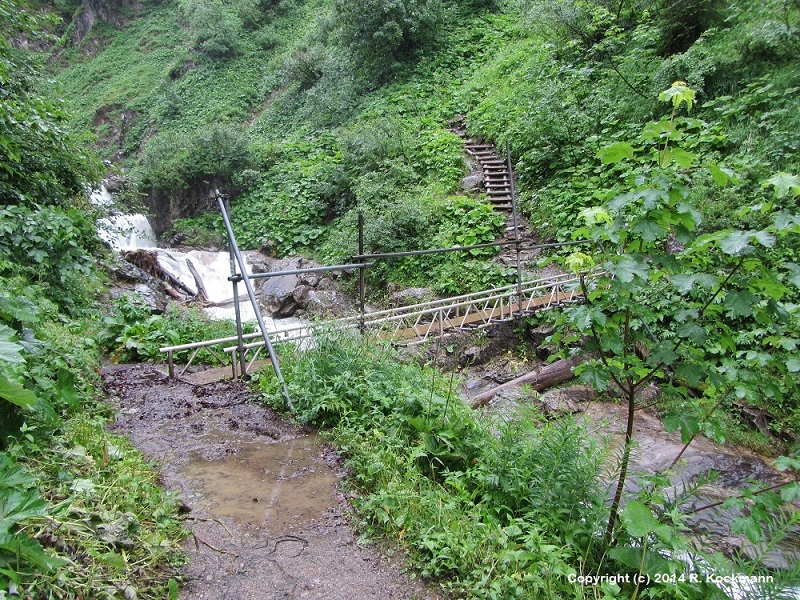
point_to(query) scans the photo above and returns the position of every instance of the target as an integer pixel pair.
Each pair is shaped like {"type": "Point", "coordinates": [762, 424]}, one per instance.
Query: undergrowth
{"type": "Point", "coordinates": [501, 509]}
{"type": "Point", "coordinates": [82, 514]}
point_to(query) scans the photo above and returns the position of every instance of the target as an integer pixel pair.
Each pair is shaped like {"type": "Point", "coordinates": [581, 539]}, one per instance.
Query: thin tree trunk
{"type": "Point", "coordinates": [630, 393]}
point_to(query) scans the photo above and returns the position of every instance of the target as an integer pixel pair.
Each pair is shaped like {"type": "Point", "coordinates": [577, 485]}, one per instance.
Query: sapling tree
{"type": "Point", "coordinates": [709, 317]}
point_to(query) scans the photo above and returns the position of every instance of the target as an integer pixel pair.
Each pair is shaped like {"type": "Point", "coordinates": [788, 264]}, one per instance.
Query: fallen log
{"type": "Point", "coordinates": [541, 379]}
{"type": "Point", "coordinates": [202, 294]}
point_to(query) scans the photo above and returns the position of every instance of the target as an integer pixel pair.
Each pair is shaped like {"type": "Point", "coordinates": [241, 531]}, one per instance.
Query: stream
{"type": "Point", "coordinates": [134, 232]}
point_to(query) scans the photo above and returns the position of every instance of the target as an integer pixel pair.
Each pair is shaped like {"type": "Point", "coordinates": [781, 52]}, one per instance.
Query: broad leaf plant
{"type": "Point", "coordinates": [708, 316]}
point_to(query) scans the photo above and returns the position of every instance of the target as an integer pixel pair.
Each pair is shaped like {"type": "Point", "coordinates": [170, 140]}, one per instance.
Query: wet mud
{"type": "Point", "coordinates": [267, 517]}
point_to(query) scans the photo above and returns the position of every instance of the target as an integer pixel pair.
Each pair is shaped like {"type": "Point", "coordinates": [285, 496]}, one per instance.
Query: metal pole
{"type": "Point", "coordinates": [251, 294]}
{"type": "Point", "coordinates": [361, 291]}
{"type": "Point", "coordinates": [236, 308]}
{"type": "Point", "coordinates": [347, 267]}
{"type": "Point", "coordinates": [516, 228]}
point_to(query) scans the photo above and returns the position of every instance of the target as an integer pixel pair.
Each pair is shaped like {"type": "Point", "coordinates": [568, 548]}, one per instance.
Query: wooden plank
{"type": "Point", "coordinates": [221, 373]}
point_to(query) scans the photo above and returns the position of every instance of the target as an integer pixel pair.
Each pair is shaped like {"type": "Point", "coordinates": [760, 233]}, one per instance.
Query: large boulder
{"type": "Point", "coordinates": [309, 294]}
{"type": "Point", "coordinates": [131, 280]}
{"type": "Point", "coordinates": [411, 296]}
{"type": "Point", "coordinates": [195, 200]}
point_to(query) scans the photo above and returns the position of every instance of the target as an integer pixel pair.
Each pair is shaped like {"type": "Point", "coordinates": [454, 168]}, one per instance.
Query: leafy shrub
{"type": "Point", "coordinates": [216, 27]}
{"type": "Point", "coordinates": [52, 246]}
{"type": "Point", "coordinates": [494, 516]}
{"type": "Point", "coordinates": [20, 553]}
{"type": "Point", "coordinates": [131, 333]}
{"type": "Point", "coordinates": [174, 159]}
{"type": "Point", "coordinates": [381, 34]}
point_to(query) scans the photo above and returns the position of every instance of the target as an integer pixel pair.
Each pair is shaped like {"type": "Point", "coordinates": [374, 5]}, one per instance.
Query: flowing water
{"type": "Point", "coordinates": [134, 232]}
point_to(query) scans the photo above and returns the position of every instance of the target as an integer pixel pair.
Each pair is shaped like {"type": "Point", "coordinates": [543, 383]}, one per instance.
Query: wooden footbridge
{"type": "Point", "coordinates": [402, 325]}
{"type": "Point", "coordinates": [405, 325]}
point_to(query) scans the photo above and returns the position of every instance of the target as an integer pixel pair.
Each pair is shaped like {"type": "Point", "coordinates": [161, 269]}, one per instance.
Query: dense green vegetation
{"type": "Point", "coordinates": [309, 113]}
{"type": "Point", "coordinates": [63, 479]}
{"type": "Point", "coordinates": [503, 507]}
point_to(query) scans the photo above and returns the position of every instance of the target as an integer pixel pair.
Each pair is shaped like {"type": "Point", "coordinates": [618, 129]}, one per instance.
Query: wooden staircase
{"type": "Point", "coordinates": [498, 190]}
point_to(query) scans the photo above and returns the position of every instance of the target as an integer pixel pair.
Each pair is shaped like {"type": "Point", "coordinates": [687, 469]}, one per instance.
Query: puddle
{"type": "Point", "coordinates": [280, 485]}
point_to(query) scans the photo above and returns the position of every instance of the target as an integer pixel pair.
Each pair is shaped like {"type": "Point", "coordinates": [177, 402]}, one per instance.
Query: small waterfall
{"type": "Point", "coordinates": [134, 232]}
{"type": "Point", "coordinates": [122, 232]}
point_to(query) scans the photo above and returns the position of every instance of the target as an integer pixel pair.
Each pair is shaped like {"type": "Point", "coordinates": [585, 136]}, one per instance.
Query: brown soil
{"type": "Point", "coordinates": [267, 517]}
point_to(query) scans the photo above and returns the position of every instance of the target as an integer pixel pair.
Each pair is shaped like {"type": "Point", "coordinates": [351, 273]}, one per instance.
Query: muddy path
{"type": "Point", "coordinates": [267, 517]}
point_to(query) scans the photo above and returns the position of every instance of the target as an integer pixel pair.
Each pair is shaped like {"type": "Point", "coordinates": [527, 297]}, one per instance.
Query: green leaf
{"type": "Point", "coordinates": [629, 557]}
{"type": "Point", "coordinates": [578, 262]}
{"type": "Point", "coordinates": [765, 238]}
{"type": "Point", "coordinates": [791, 493]}
{"type": "Point", "coordinates": [9, 349]}
{"type": "Point", "coordinates": [13, 475]}
{"type": "Point", "coordinates": [693, 332]}
{"type": "Point", "coordinates": [735, 243]}
{"type": "Point", "coordinates": [748, 526]}
{"type": "Point", "coordinates": [678, 93]}
{"type": "Point", "coordinates": [655, 129]}
{"type": "Point", "coordinates": [638, 519]}
{"type": "Point", "coordinates": [15, 393]}
{"type": "Point", "coordinates": [794, 274]}
{"type": "Point", "coordinates": [17, 505]}
{"type": "Point", "coordinates": [67, 392]}
{"type": "Point", "coordinates": [722, 176]}
{"type": "Point", "coordinates": [739, 304]}
{"type": "Point", "coordinates": [784, 184]}
{"type": "Point", "coordinates": [31, 551]}
{"type": "Point", "coordinates": [662, 354]}
{"type": "Point", "coordinates": [688, 425]}
{"type": "Point", "coordinates": [595, 375]}
{"type": "Point", "coordinates": [690, 373]}
{"type": "Point", "coordinates": [650, 231]}
{"type": "Point", "coordinates": [683, 283]}
{"type": "Point", "coordinates": [683, 158]}
{"type": "Point", "coordinates": [627, 268]}
{"type": "Point", "coordinates": [615, 152]}
{"type": "Point", "coordinates": [793, 364]}
{"type": "Point", "coordinates": [173, 589]}
{"type": "Point", "coordinates": [594, 215]}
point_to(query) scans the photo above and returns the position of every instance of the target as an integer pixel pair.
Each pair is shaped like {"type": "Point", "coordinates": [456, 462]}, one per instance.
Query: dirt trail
{"type": "Point", "coordinates": [266, 515]}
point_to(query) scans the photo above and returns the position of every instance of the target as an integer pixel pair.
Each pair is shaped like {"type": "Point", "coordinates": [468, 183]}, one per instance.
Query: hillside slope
{"type": "Point", "coordinates": [305, 111]}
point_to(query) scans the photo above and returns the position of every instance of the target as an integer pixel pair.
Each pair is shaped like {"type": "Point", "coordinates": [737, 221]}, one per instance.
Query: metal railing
{"type": "Point", "coordinates": [416, 323]}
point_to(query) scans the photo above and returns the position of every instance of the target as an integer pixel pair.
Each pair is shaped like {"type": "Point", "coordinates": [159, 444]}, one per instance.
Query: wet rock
{"type": "Point", "coordinates": [300, 294]}
{"type": "Point", "coordinates": [329, 303]}
{"type": "Point", "coordinates": [566, 400]}
{"type": "Point", "coordinates": [277, 295]}
{"type": "Point", "coordinates": [411, 296]}
{"type": "Point", "coordinates": [310, 279]}
{"type": "Point", "coordinates": [155, 299]}
{"type": "Point", "coordinates": [114, 183]}
{"type": "Point", "coordinates": [122, 270]}
{"type": "Point", "coordinates": [134, 280]}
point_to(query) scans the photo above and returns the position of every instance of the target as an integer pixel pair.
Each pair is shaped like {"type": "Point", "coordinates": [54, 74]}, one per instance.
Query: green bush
{"type": "Point", "coordinates": [381, 34]}
{"type": "Point", "coordinates": [130, 332]}
{"type": "Point", "coordinates": [53, 247]}
{"type": "Point", "coordinates": [216, 27]}
{"type": "Point", "coordinates": [174, 159]}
